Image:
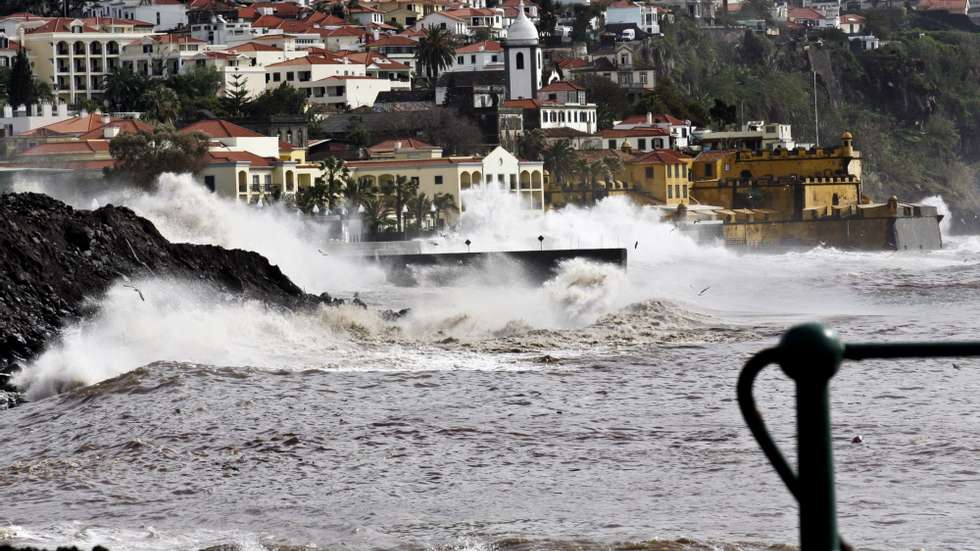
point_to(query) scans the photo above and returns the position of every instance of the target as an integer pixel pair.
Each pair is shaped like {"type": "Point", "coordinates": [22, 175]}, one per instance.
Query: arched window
{"type": "Point", "coordinates": [519, 60]}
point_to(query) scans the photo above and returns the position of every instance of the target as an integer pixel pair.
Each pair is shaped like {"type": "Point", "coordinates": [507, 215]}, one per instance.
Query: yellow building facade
{"type": "Point", "coordinates": [661, 177]}
{"type": "Point", "coordinates": [795, 184]}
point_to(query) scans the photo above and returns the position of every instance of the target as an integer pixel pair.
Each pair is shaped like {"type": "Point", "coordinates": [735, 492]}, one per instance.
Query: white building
{"type": "Point", "coordinates": [366, 15]}
{"type": "Point", "coordinates": [161, 55]}
{"type": "Point", "coordinates": [522, 57]}
{"type": "Point", "coordinates": [311, 68]}
{"type": "Point", "coordinates": [754, 135]}
{"type": "Point", "coordinates": [11, 24]}
{"type": "Point", "coordinates": [24, 119]}
{"type": "Point", "coordinates": [564, 105]}
{"type": "Point", "coordinates": [164, 14]}
{"type": "Point", "coordinates": [455, 24]}
{"type": "Point", "coordinates": [852, 23]}
{"type": "Point", "coordinates": [235, 68]}
{"type": "Point", "coordinates": [480, 56]}
{"type": "Point", "coordinates": [74, 55]}
{"type": "Point", "coordinates": [231, 137]}
{"type": "Point", "coordinates": [222, 31]}
{"type": "Point", "coordinates": [678, 130]}
{"type": "Point", "coordinates": [644, 16]}
{"type": "Point", "coordinates": [349, 91]}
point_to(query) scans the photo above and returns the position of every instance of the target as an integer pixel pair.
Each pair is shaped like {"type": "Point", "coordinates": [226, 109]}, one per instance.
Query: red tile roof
{"type": "Point", "coordinates": [572, 63]}
{"type": "Point", "coordinates": [806, 14]}
{"type": "Point", "coordinates": [485, 46]}
{"type": "Point", "coordinates": [851, 18]}
{"type": "Point", "coordinates": [662, 156]}
{"type": "Point", "coordinates": [520, 104]}
{"type": "Point", "coordinates": [221, 157]}
{"type": "Point", "coordinates": [220, 129]}
{"type": "Point", "coordinates": [89, 24]}
{"type": "Point", "coordinates": [405, 144]}
{"type": "Point", "coordinates": [74, 126]}
{"type": "Point", "coordinates": [125, 126]}
{"type": "Point", "coordinates": [396, 40]}
{"type": "Point", "coordinates": [632, 132]}
{"type": "Point", "coordinates": [952, 6]}
{"type": "Point", "coordinates": [623, 4]}
{"type": "Point", "coordinates": [254, 47]}
{"type": "Point", "coordinates": [66, 148]}
{"type": "Point", "coordinates": [310, 59]}
{"type": "Point", "coordinates": [562, 86]}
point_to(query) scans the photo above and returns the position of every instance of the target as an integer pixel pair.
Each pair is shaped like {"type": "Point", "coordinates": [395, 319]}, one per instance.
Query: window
{"type": "Point", "coordinates": [460, 60]}
{"type": "Point", "coordinates": [519, 60]}
{"type": "Point", "coordinates": [648, 172]}
{"type": "Point", "coordinates": [147, 48]}
{"type": "Point", "coordinates": [276, 77]}
{"type": "Point", "coordinates": [670, 192]}
{"type": "Point", "coordinates": [473, 59]}
{"type": "Point", "coordinates": [612, 144]}
{"type": "Point", "coordinates": [709, 170]}
{"type": "Point", "coordinates": [290, 76]}
{"type": "Point", "coordinates": [158, 18]}
{"type": "Point", "coordinates": [255, 182]}
{"type": "Point", "coordinates": [438, 180]}
{"type": "Point", "coordinates": [641, 144]}
{"type": "Point", "coordinates": [209, 183]}
{"type": "Point", "coordinates": [268, 182]}
{"type": "Point", "coordinates": [513, 182]}
{"type": "Point", "coordinates": [493, 58]}
{"type": "Point", "coordinates": [685, 191]}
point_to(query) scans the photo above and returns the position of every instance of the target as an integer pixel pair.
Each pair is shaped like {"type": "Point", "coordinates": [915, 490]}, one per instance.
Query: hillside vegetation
{"type": "Point", "coordinates": [913, 105]}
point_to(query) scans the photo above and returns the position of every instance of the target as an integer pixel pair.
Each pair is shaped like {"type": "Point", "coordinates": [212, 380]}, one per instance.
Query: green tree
{"type": "Point", "coordinates": [547, 18]}
{"type": "Point", "coordinates": [375, 211]}
{"type": "Point", "coordinates": [335, 176]}
{"type": "Point", "coordinates": [445, 204]}
{"type": "Point", "coordinates": [419, 207]}
{"type": "Point", "coordinates": [124, 89]}
{"type": "Point", "coordinates": [197, 90]}
{"type": "Point", "coordinates": [357, 191]}
{"type": "Point", "coordinates": [435, 51]}
{"type": "Point", "coordinates": [611, 99]}
{"type": "Point", "coordinates": [284, 100]}
{"type": "Point", "coordinates": [21, 88]}
{"type": "Point", "coordinates": [400, 190]}
{"type": "Point", "coordinates": [236, 100]}
{"type": "Point", "coordinates": [558, 159]}
{"type": "Point", "coordinates": [142, 156]}
{"type": "Point", "coordinates": [161, 105]}
{"type": "Point", "coordinates": [317, 195]}
{"type": "Point", "coordinates": [532, 144]}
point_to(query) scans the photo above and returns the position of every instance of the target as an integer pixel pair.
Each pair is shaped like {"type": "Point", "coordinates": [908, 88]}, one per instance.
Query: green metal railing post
{"type": "Point", "coordinates": [811, 355]}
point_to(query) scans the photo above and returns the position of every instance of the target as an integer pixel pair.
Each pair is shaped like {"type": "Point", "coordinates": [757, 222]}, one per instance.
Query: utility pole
{"type": "Point", "coordinates": [816, 115]}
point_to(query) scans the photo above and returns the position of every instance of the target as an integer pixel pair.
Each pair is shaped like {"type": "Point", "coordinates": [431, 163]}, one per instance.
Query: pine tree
{"type": "Point", "coordinates": [236, 99]}
{"type": "Point", "coordinates": [21, 88]}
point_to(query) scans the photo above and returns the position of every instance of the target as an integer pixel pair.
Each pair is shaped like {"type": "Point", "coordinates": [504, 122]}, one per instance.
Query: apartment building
{"type": "Point", "coordinates": [161, 55]}
{"type": "Point", "coordinates": [164, 14]}
{"type": "Point", "coordinates": [74, 55]}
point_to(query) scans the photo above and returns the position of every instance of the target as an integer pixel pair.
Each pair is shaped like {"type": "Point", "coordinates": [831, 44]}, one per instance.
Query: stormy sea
{"type": "Point", "coordinates": [594, 411]}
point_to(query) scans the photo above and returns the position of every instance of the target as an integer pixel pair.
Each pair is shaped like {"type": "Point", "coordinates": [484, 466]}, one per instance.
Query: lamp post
{"type": "Point", "coordinates": [541, 242]}
{"type": "Point", "coordinates": [467, 245]}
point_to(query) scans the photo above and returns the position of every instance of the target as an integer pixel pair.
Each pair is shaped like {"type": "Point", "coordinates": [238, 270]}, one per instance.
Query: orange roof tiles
{"type": "Point", "coordinates": [216, 157]}
{"type": "Point", "coordinates": [402, 143]}
{"type": "Point", "coordinates": [662, 156]}
{"type": "Point", "coordinates": [254, 47]}
{"type": "Point", "coordinates": [66, 148]}
{"type": "Point", "coordinates": [396, 40]}
{"type": "Point", "coordinates": [75, 125]}
{"type": "Point", "coordinates": [125, 126]}
{"type": "Point", "coordinates": [520, 104]}
{"type": "Point", "coordinates": [221, 129]}
{"type": "Point", "coordinates": [562, 86]}
{"type": "Point", "coordinates": [484, 46]}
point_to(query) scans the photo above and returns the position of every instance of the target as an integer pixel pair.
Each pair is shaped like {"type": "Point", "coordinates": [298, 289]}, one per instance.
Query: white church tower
{"type": "Point", "coordinates": [522, 58]}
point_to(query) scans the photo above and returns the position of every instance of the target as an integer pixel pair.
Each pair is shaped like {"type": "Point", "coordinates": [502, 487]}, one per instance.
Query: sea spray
{"type": "Point", "coordinates": [183, 210]}
{"type": "Point", "coordinates": [943, 209]}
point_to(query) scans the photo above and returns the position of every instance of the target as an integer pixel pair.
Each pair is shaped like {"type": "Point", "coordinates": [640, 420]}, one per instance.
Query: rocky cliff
{"type": "Point", "coordinates": [52, 257]}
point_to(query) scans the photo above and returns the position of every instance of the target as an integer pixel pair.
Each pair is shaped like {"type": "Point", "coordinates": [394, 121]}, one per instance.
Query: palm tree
{"type": "Point", "coordinates": [400, 189]}
{"type": "Point", "coordinates": [375, 210]}
{"type": "Point", "coordinates": [335, 174]}
{"type": "Point", "coordinates": [558, 158]}
{"type": "Point", "coordinates": [419, 206]}
{"type": "Point", "coordinates": [597, 169]}
{"type": "Point", "coordinates": [161, 105]}
{"type": "Point", "coordinates": [435, 51]}
{"type": "Point", "coordinates": [356, 191]}
{"type": "Point", "coordinates": [444, 203]}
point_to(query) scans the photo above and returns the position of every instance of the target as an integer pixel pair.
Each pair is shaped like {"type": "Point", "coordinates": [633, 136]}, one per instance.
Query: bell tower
{"type": "Point", "coordinates": [522, 57]}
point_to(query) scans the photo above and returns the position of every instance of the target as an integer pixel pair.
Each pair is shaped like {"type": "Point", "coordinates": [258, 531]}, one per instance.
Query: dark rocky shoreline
{"type": "Point", "coordinates": [53, 257]}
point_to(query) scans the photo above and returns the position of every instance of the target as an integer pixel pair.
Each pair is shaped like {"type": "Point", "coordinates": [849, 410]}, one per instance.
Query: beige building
{"type": "Point", "coordinates": [499, 170]}
{"type": "Point", "coordinates": [162, 55]}
{"type": "Point", "coordinates": [252, 167]}
{"type": "Point", "coordinates": [74, 55]}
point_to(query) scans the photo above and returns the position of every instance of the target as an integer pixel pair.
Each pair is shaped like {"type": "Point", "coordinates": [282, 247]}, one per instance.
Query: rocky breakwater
{"type": "Point", "coordinates": [53, 257]}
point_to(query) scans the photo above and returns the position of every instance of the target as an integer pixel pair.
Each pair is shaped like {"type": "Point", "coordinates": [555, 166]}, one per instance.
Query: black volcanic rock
{"type": "Point", "coordinates": [52, 257]}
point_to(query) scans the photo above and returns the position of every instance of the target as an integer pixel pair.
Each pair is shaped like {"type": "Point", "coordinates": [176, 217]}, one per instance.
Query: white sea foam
{"type": "Point", "coordinates": [184, 211]}
{"type": "Point", "coordinates": [943, 209]}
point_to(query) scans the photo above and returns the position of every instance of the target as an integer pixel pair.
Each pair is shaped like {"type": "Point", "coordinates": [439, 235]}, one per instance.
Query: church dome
{"type": "Point", "coordinates": [521, 32]}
